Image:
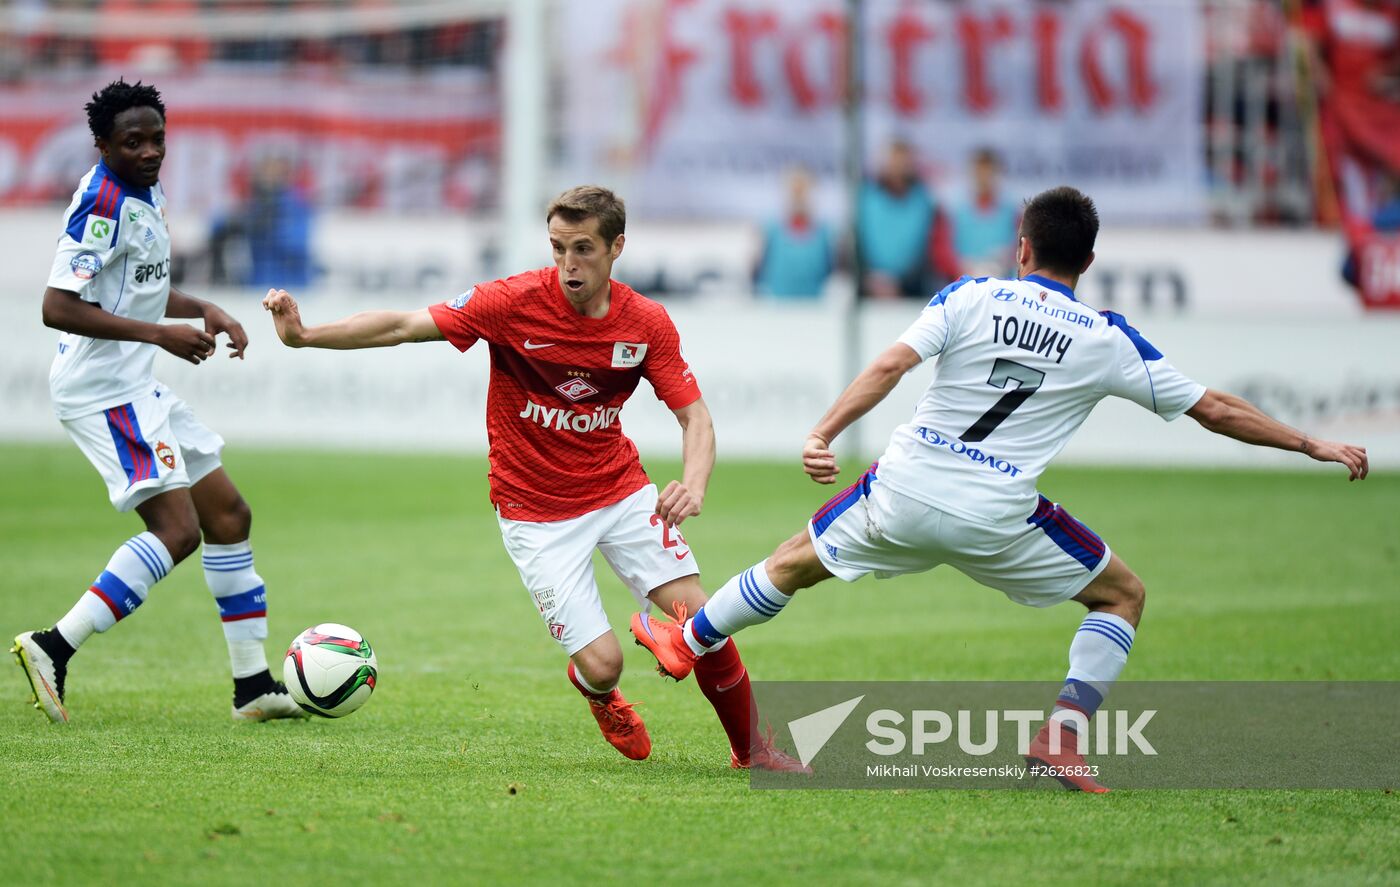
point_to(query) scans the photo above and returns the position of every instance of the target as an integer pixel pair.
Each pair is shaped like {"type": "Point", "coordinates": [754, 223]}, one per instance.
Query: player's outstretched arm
{"type": "Point", "coordinates": [873, 385]}
{"type": "Point", "coordinates": [1238, 418]}
{"type": "Point", "coordinates": [66, 311]}
{"type": "Point", "coordinates": [684, 498]}
{"type": "Point", "coordinates": [368, 329]}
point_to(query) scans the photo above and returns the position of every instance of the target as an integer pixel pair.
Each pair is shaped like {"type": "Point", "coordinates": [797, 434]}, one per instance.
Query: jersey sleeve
{"type": "Point", "coordinates": [91, 241]}
{"type": "Point", "coordinates": [666, 369]}
{"type": "Point", "coordinates": [929, 333]}
{"type": "Point", "coordinates": [478, 313]}
{"type": "Point", "coordinates": [1141, 374]}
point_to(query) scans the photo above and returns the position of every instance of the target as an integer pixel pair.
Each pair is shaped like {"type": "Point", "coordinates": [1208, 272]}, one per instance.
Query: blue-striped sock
{"type": "Point", "coordinates": [139, 563]}
{"type": "Point", "coordinates": [1096, 657]}
{"type": "Point", "coordinates": [242, 600]}
{"type": "Point", "coordinates": [748, 599]}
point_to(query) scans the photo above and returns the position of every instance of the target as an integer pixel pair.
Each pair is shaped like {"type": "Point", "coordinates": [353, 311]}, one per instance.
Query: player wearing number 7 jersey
{"type": "Point", "coordinates": [1021, 363]}
{"type": "Point", "coordinates": [568, 347]}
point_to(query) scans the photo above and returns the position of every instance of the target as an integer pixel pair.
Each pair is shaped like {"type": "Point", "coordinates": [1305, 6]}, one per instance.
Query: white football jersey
{"type": "Point", "coordinates": [115, 252]}
{"type": "Point", "coordinates": [1021, 364]}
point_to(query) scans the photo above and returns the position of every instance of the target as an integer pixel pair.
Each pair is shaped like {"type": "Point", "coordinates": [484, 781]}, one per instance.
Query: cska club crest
{"type": "Point", "coordinates": [165, 454]}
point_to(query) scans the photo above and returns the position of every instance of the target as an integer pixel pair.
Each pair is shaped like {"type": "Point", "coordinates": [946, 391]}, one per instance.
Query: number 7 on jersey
{"type": "Point", "coordinates": [1028, 381]}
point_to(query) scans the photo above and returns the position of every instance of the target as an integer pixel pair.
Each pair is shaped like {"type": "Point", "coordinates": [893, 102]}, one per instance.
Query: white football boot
{"type": "Point", "coordinates": [274, 704]}
{"type": "Point", "coordinates": [45, 679]}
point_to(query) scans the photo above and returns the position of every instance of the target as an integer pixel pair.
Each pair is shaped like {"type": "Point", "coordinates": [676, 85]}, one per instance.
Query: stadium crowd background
{"type": "Point", "coordinates": [1243, 154]}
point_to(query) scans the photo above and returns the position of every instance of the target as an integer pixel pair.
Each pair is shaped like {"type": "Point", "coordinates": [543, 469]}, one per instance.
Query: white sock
{"type": "Point", "coordinates": [139, 563]}
{"type": "Point", "coordinates": [1096, 658]}
{"type": "Point", "coordinates": [242, 600]}
{"type": "Point", "coordinates": [582, 683]}
{"type": "Point", "coordinates": [750, 598]}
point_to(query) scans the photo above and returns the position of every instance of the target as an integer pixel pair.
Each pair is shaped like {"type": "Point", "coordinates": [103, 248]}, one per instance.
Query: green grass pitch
{"type": "Point", "coordinates": [475, 761]}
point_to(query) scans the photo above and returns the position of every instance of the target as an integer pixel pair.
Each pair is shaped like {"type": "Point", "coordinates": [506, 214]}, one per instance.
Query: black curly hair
{"type": "Point", "coordinates": [116, 97]}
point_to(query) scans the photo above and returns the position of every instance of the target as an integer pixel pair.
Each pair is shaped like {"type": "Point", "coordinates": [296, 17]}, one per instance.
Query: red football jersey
{"type": "Point", "coordinates": [558, 383]}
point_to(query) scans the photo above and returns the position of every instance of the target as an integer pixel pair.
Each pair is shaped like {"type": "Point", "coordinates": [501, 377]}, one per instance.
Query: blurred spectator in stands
{"type": "Point", "coordinates": [274, 226]}
{"type": "Point", "coordinates": [155, 52]}
{"type": "Point", "coordinates": [897, 221]}
{"type": "Point", "coordinates": [985, 223]}
{"type": "Point", "coordinates": [1359, 85]}
{"type": "Point", "coordinates": [798, 249]}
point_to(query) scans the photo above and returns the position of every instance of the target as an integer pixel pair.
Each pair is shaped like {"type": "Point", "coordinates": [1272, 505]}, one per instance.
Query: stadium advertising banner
{"type": "Point", "coordinates": [362, 140]}
{"type": "Point", "coordinates": [697, 106]}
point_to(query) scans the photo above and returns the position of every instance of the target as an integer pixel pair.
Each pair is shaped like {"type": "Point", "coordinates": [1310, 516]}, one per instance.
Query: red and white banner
{"type": "Point", "coordinates": [1379, 256]}
{"type": "Point", "coordinates": [381, 140]}
{"type": "Point", "coordinates": [695, 106]}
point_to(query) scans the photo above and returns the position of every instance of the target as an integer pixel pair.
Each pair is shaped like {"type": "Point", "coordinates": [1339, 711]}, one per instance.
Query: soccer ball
{"type": "Point", "coordinates": [330, 670]}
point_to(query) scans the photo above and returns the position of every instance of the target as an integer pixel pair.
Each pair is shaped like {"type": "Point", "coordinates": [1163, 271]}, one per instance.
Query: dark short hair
{"type": "Point", "coordinates": [591, 202]}
{"type": "Point", "coordinates": [985, 154]}
{"type": "Point", "coordinates": [1061, 225]}
{"type": "Point", "coordinates": [116, 97]}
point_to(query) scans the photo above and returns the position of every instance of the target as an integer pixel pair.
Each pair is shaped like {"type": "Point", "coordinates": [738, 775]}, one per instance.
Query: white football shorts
{"type": "Point", "coordinates": [1038, 561]}
{"type": "Point", "coordinates": [146, 447]}
{"type": "Point", "coordinates": [555, 560]}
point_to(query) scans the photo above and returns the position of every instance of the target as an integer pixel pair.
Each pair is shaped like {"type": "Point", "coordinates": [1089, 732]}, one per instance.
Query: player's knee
{"type": "Point", "coordinates": [603, 670]}
{"type": "Point", "coordinates": [1132, 594]}
{"type": "Point", "coordinates": [795, 565]}
{"type": "Point", "coordinates": [180, 537]}
{"type": "Point", "coordinates": [232, 524]}
{"type": "Point", "coordinates": [172, 519]}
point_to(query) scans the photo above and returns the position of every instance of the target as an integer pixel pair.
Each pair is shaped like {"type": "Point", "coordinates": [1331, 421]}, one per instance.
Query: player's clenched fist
{"type": "Point", "coordinates": [185, 342]}
{"type": "Point", "coordinates": [676, 503]}
{"type": "Point", "coordinates": [819, 461]}
{"type": "Point", "coordinates": [286, 317]}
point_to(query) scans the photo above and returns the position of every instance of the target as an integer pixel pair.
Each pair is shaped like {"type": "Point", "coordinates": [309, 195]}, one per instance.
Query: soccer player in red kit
{"type": "Point", "coordinates": [568, 346]}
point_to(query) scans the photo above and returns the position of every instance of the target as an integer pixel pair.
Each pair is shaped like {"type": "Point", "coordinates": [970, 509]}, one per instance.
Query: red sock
{"type": "Point", "coordinates": [589, 694]}
{"type": "Point", "coordinates": [725, 682]}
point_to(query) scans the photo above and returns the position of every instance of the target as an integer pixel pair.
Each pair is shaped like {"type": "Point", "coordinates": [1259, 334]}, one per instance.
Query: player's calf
{"type": "Point", "coordinates": [241, 596]}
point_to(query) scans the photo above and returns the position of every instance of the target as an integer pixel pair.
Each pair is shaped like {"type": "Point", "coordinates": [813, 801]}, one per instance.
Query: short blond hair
{"type": "Point", "coordinates": [591, 202]}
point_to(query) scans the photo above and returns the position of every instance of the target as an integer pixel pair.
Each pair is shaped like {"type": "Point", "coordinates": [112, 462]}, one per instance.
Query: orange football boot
{"type": "Point", "coordinates": [767, 756]}
{"type": "Point", "coordinates": [1067, 766]}
{"type": "Point", "coordinates": [666, 642]}
{"type": "Point", "coordinates": [622, 727]}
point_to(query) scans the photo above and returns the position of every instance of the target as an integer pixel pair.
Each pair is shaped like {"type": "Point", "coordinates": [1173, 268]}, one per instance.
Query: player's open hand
{"type": "Point", "coordinates": [1353, 457]}
{"type": "Point", "coordinates": [286, 317]}
{"type": "Point", "coordinates": [819, 461]}
{"type": "Point", "coordinates": [217, 320]}
{"type": "Point", "coordinates": [186, 342]}
{"type": "Point", "coordinates": [677, 502]}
